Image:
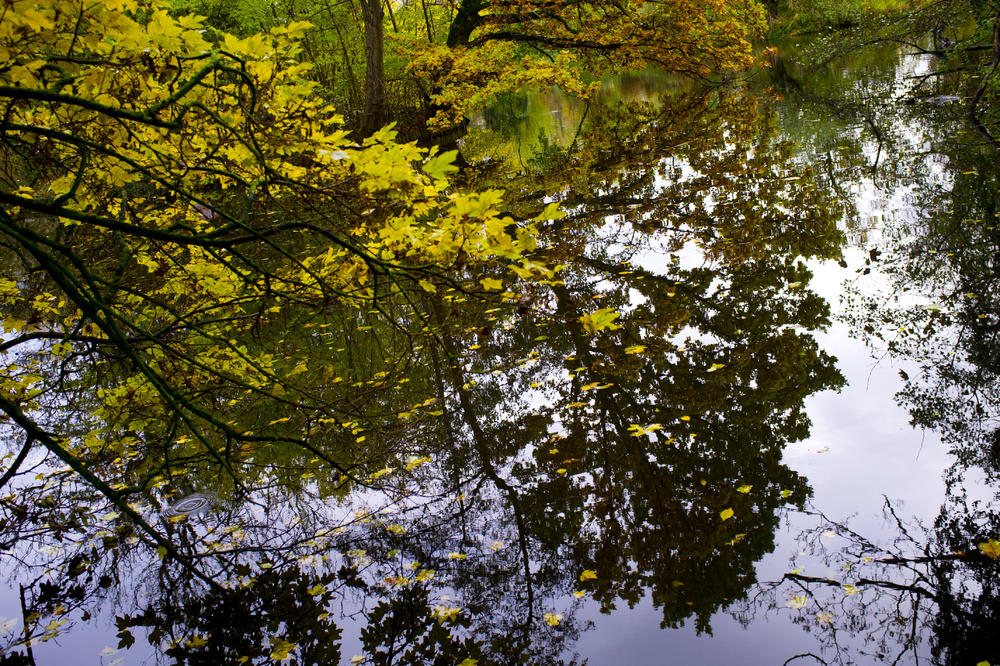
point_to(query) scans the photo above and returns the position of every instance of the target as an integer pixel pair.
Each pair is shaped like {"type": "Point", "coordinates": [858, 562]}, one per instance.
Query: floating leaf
{"type": "Point", "coordinates": [726, 514]}
{"type": "Point", "coordinates": [850, 589]}
{"type": "Point", "coordinates": [600, 320]}
{"type": "Point", "coordinates": [990, 548]}
{"type": "Point", "coordinates": [553, 619]}
{"type": "Point", "coordinates": [745, 488]}
{"type": "Point", "coordinates": [638, 430]}
{"type": "Point", "coordinates": [798, 602]}
{"type": "Point", "coordinates": [588, 574]}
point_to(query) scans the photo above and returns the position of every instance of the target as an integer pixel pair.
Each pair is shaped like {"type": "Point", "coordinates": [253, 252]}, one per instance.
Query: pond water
{"type": "Point", "coordinates": [750, 419]}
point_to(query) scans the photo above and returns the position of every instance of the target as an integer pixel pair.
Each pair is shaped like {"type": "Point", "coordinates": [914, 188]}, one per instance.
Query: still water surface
{"type": "Point", "coordinates": [781, 451]}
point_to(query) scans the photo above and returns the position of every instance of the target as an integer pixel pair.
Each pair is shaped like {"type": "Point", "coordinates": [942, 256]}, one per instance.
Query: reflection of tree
{"type": "Point", "coordinates": [924, 591]}
{"type": "Point", "coordinates": [486, 465]}
{"type": "Point", "coordinates": [940, 311]}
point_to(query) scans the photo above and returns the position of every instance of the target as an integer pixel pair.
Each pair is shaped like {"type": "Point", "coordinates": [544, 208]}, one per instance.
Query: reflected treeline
{"type": "Point", "coordinates": [479, 468]}
{"type": "Point", "coordinates": [916, 593]}
{"type": "Point", "coordinates": [925, 298]}
{"type": "Point", "coordinates": [938, 313]}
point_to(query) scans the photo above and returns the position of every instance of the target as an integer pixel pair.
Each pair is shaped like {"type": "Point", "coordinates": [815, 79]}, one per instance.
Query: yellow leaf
{"type": "Point", "coordinates": [491, 283]}
{"type": "Point", "coordinates": [588, 574]}
{"type": "Point", "coordinates": [744, 489]}
{"type": "Point", "coordinates": [726, 514]}
{"type": "Point", "coordinates": [599, 320]}
{"type": "Point", "coordinates": [990, 548]}
{"type": "Point", "coordinates": [553, 619]}
{"type": "Point", "coordinates": [281, 649]}
{"type": "Point", "coordinates": [551, 212]}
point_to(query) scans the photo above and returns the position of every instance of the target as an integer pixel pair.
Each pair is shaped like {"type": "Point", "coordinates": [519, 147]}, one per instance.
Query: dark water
{"type": "Point", "coordinates": [782, 450]}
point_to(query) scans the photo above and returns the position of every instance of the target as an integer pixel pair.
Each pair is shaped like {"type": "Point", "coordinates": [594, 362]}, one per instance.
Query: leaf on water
{"type": "Point", "coordinates": [639, 430]}
{"type": "Point", "coordinates": [553, 619]}
{"type": "Point", "coordinates": [579, 594]}
{"type": "Point", "coordinates": [599, 320]}
{"type": "Point", "coordinates": [990, 549]}
{"type": "Point", "coordinates": [745, 488]}
{"type": "Point", "coordinates": [850, 589]}
{"type": "Point", "coordinates": [588, 574]}
{"type": "Point", "coordinates": [716, 366]}
{"type": "Point", "coordinates": [798, 602]}
{"type": "Point", "coordinates": [726, 514]}
{"type": "Point", "coordinates": [635, 349]}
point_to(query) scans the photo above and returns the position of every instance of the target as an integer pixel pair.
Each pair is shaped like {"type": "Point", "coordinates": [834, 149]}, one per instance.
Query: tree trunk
{"type": "Point", "coordinates": [374, 114]}
{"type": "Point", "coordinates": [465, 22]}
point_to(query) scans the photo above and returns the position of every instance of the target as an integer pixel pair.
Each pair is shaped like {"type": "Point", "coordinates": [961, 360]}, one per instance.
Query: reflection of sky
{"type": "Point", "coordinates": [861, 448]}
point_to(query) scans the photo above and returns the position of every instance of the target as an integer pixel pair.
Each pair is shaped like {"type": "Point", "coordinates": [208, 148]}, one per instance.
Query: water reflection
{"type": "Point", "coordinates": [491, 465]}
{"type": "Point", "coordinates": [455, 478]}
